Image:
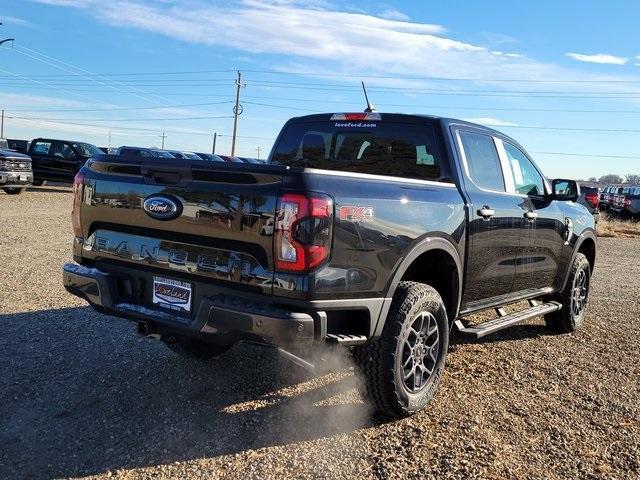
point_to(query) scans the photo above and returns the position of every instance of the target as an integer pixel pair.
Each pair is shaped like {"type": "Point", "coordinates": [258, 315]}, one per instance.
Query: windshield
{"type": "Point", "coordinates": [191, 155]}
{"type": "Point", "coordinates": [396, 149]}
{"type": "Point", "coordinates": [87, 149]}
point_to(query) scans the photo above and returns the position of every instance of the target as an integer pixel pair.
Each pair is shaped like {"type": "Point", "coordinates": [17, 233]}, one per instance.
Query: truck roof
{"type": "Point", "coordinates": [47, 139]}
{"type": "Point", "coordinates": [396, 118]}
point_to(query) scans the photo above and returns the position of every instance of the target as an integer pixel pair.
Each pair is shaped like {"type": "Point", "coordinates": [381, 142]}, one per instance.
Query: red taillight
{"type": "Point", "coordinates": [626, 202]}
{"type": "Point", "coordinates": [303, 230]}
{"type": "Point", "coordinates": [78, 190]}
{"type": "Point", "coordinates": [592, 199]}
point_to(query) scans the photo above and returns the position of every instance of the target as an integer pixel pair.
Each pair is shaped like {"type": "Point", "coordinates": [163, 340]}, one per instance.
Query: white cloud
{"type": "Point", "coordinates": [603, 58]}
{"type": "Point", "coordinates": [9, 20]}
{"type": "Point", "coordinates": [506, 55]}
{"type": "Point", "coordinates": [315, 34]}
{"type": "Point", "coordinates": [393, 14]}
{"type": "Point", "coordinates": [491, 122]}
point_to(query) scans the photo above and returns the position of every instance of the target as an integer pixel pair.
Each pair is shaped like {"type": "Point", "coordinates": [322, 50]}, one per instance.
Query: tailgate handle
{"type": "Point", "coordinates": [166, 176]}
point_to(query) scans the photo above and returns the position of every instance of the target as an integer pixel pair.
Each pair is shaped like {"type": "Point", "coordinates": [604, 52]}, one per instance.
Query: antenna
{"type": "Point", "coordinates": [370, 108]}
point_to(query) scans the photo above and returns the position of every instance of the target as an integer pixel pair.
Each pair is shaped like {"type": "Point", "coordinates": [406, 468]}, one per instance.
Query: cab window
{"type": "Point", "coordinates": [394, 149]}
{"type": "Point", "coordinates": [483, 161]}
{"type": "Point", "coordinates": [526, 177]}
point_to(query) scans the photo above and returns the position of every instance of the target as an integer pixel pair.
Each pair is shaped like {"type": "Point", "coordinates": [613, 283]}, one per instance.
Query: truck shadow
{"type": "Point", "coordinates": [85, 395]}
{"type": "Point", "coordinates": [49, 189]}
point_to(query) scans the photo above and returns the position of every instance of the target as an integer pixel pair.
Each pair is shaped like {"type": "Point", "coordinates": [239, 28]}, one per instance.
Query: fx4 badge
{"type": "Point", "coordinates": [356, 214]}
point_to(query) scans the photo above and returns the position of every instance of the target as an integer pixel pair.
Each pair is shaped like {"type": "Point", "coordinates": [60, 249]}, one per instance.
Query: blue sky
{"type": "Point", "coordinates": [563, 78]}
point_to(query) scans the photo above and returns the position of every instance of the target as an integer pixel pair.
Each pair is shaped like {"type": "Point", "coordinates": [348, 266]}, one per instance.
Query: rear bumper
{"type": "Point", "coordinates": [20, 178]}
{"type": "Point", "coordinates": [218, 317]}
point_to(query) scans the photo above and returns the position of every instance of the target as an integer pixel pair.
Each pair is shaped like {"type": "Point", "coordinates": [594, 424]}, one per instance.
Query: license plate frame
{"type": "Point", "coordinates": [172, 294]}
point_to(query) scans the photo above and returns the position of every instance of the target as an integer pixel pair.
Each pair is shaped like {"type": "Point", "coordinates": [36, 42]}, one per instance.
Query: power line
{"type": "Point", "coordinates": [182, 105]}
{"type": "Point", "coordinates": [347, 87]}
{"type": "Point", "coordinates": [139, 129]}
{"type": "Point", "coordinates": [595, 155]}
{"type": "Point", "coordinates": [20, 48]}
{"type": "Point", "coordinates": [413, 105]}
{"type": "Point", "coordinates": [348, 75]}
{"type": "Point", "coordinates": [122, 119]}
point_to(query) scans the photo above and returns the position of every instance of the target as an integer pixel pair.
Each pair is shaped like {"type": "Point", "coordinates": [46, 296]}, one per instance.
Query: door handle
{"type": "Point", "coordinates": [486, 212]}
{"type": "Point", "coordinates": [530, 215]}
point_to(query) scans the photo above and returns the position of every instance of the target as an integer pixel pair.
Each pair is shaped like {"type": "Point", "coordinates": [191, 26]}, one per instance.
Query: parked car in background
{"type": "Point", "coordinates": [15, 170]}
{"type": "Point", "coordinates": [228, 158]}
{"type": "Point", "coordinates": [143, 152]}
{"type": "Point", "coordinates": [183, 154]}
{"type": "Point", "coordinates": [590, 198]}
{"type": "Point", "coordinates": [18, 145]}
{"type": "Point", "coordinates": [617, 206]}
{"type": "Point", "coordinates": [250, 160]}
{"type": "Point", "coordinates": [212, 157]}
{"type": "Point", "coordinates": [632, 202]}
{"type": "Point", "coordinates": [602, 204]}
{"type": "Point", "coordinates": [59, 160]}
{"type": "Point", "coordinates": [611, 196]}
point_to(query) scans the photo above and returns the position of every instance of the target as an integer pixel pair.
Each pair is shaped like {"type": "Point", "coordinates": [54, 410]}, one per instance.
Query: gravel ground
{"type": "Point", "coordinates": [82, 395]}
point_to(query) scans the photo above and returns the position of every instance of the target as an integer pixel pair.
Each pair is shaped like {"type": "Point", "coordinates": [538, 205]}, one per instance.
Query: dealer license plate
{"type": "Point", "coordinates": [172, 294]}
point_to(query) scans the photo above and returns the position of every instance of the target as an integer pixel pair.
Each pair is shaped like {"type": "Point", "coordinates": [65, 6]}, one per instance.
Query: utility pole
{"type": "Point", "coordinates": [2, 121]}
{"type": "Point", "coordinates": [258, 150]}
{"type": "Point", "coordinates": [163, 136]}
{"type": "Point", "coordinates": [237, 110]}
{"type": "Point", "coordinates": [109, 148]}
{"type": "Point", "coordinates": [213, 147]}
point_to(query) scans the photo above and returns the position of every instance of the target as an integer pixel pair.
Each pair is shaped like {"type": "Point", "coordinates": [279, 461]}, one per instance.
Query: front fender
{"type": "Point", "coordinates": [588, 233]}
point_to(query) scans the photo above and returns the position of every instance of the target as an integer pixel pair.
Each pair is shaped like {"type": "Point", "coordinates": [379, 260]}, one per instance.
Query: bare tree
{"type": "Point", "coordinates": [632, 178]}
{"type": "Point", "coordinates": [611, 178]}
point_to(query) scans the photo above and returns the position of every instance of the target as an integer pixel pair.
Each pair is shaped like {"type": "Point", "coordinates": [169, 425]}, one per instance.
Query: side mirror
{"type": "Point", "coordinates": [565, 190]}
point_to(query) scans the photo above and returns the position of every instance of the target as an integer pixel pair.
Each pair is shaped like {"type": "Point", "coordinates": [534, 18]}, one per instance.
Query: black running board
{"type": "Point", "coordinates": [505, 321]}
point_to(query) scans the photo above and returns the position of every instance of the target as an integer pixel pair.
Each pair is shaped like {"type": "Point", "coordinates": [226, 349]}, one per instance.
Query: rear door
{"type": "Point", "coordinates": [66, 162]}
{"type": "Point", "coordinates": [41, 160]}
{"type": "Point", "coordinates": [495, 219]}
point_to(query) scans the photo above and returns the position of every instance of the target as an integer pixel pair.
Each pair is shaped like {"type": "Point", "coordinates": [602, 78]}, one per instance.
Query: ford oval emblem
{"type": "Point", "coordinates": [162, 207]}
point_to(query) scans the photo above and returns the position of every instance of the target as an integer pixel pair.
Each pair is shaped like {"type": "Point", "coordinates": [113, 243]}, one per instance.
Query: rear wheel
{"type": "Point", "coordinates": [14, 190]}
{"type": "Point", "coordinates": [194, 348]}
{"type": "Point", "coordinates": [573, 298]}
{"type": "Point", "coordinates": [402, 368]}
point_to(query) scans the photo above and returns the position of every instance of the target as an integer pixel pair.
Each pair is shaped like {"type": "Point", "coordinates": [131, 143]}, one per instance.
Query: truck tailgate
{"type": "Point", "coordinates": [223, 230]}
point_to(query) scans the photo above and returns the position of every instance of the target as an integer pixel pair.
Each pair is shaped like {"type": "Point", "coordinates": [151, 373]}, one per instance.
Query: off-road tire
{"type": "Point", "coordinates": [566, 320]}
{"type": "Point", "coordinates": [14, 190]}
{"type": "Point", "coordinates": [380, 359]}
{"type": "Point", "coordinates": [194, 348]}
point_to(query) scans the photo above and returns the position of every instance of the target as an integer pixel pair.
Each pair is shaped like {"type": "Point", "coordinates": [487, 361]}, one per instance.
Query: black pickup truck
{"type": "Point", "coordinates": [377, 232]}
{"type": "Point", "coordinates": [58, 160]}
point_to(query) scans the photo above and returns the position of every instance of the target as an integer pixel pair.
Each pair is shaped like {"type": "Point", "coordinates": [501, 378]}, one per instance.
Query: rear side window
{"type": "Point", "coordinates": [394, 149]}
{"type": "Point", "coordinates": [483, 161]}
{"type": "Point", "coordinates": [42, 148]}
